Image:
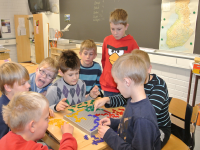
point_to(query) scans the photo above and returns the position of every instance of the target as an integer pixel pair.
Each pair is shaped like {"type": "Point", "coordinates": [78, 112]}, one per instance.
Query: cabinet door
{"type": "Point", "coordinates": [22, 38]}
{"type": "Point", "coordinates": [39, 38]}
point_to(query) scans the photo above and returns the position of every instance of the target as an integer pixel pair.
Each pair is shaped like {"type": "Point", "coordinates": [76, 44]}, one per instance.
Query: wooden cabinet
{"type": "Point", "coordinates": [55, 52]}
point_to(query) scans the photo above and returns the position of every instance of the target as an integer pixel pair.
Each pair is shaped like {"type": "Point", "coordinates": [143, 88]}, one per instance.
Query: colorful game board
{"type": "Point", "coordinates": [87, 120]}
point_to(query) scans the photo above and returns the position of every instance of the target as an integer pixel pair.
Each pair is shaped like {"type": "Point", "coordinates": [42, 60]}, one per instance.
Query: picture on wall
{"type": "Point", "coordinates": [5, 26]}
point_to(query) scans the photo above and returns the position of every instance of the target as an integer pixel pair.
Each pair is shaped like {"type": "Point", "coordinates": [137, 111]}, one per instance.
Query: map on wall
{"type": "Point", "coordinates": [178, 25]}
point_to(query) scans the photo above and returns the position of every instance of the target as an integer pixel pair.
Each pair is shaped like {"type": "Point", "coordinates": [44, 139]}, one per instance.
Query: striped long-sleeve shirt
{"type": "Point", "coordinates": [90, 75]}
{"type": "Point", "coordinates": [156, 90]}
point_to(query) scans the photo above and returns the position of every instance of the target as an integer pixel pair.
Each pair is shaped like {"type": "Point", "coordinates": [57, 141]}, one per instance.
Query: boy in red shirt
{"type": "Point", "coordinates": [27, 115]}
{"type": "Point", "coordinates": [114, 46]}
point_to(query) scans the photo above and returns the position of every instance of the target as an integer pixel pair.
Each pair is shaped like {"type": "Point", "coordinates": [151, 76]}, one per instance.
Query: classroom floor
{"type": "Point", "coordinates": [197, 138]}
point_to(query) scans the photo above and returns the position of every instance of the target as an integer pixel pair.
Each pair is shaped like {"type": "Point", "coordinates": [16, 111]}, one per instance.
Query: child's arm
{"type": "Point", "coordinates": [68, 142]}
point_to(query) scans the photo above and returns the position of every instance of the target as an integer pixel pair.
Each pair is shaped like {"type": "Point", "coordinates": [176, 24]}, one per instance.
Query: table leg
{"type": "Point", "coordinates": [189, 88]}
{"type": "Point", "coordinates": [195, 90]}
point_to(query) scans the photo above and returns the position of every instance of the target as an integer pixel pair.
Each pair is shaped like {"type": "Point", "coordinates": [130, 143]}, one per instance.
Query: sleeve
{"type": "Point", "coordinates": [103, 59]}
{"type": "Point", "coordinates": [114, 123]}
{"type": "Point", "coordinates": [116, 101]}
{"type": "Point", "coordinates": [158, 96]}
{"type": "Point", "coordinates": [4, 129]}
{"type": "Point", "coordinates": [98, 78]}
{"type": "Point", "coordinates": [68, 142]}
{"type": "Point", "coordinates": [143, 134]}
{"type": "Point", "coordinates": [52, 96]}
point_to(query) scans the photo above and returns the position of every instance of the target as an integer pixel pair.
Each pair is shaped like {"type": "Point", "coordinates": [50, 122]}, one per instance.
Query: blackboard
{"type": "Point", "coordinates": [89, 19]}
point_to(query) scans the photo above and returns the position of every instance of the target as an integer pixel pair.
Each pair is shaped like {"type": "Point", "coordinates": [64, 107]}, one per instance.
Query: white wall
{"type": "Point", "coordinates": [9, 8]}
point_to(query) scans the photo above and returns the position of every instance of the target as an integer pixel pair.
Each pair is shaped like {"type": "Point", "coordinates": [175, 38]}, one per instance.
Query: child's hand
{"type": "Point", "coordinates": [51, 113]}
{"type": "Point", "coordinates": [62, 105]}
{"type": "Point", "coordinates": [100, 102]}
{"type": "Point", "coordinates": [94, 92]}
{"type": "Point", "coordinates": [102, 130]}
{"type": "Point", "coordinates": [105, 122]}
{"type": "Point", "coordinates": [67, 128]}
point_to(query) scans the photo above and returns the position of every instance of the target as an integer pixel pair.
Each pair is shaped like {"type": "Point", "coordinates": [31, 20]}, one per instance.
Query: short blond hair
{"type": "Point", "coordinates": [143, 55]}
{"type": "Point", "coordinates": [88, 45]}
{"type": "Point", "coordinates": [50, 64]}
{"type": "Point", "coordinates": [68, 60]}
{"type": "Point", "coordinates": [130, 66]}
{"type": "Point", "coordinates": [119, 16]}
{"type": "Point", "coordinates": [23, 108]}
{"type": "Point", "coordinates": [11, 72]}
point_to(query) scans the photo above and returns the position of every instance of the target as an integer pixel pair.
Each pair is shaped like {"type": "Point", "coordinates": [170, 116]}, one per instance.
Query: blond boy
{"type": "Point", "coordinates": [69, 87]}
{"type": "Point", "coordinates": [27, 116]}
{"type": "Point", "coordinates": [44, 75]}
{"type": "Point", "coordinates": [90, 71]}
{"type": "Point", "coordinates": [138, 128]}
{"type": "Point", "coordinates": [114, 46]}
{"type": "Point", "coordinates": [13, 78]}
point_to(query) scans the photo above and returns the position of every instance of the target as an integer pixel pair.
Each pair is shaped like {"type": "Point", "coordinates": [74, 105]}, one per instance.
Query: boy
{"type": "Point", "coordinates": [44, 75]}
{"type": "Point", "coordinates": [114, 46]}
{"type": "Point", "coordinates": [27, 116]}
{"type": "Point", "coordinates": [157, 92]}
{"type": "Point", "coordinates": [90, 71]}
{"type": "Point", "coordinates": [69, 90]}
{"type": "Point", "coordinates": [138, 128]}
{"type": "Point", "coordinates": [13, 78]}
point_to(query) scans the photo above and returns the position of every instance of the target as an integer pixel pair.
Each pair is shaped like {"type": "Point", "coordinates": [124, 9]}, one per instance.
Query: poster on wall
{"type": "Point", "coordinates": [5, 26]}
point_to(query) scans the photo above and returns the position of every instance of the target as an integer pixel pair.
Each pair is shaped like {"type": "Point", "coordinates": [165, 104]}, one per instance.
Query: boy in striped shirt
{"type": "Point", "coordinates": [90, 71]}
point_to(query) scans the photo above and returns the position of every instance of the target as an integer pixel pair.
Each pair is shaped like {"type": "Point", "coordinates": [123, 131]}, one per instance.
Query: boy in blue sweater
{"type": "Point", "coordinates": [90, 71]}
{"type": "Point", "coordinates": [13, 78]}
{"type": "Point", "coordinates": [138, 127]}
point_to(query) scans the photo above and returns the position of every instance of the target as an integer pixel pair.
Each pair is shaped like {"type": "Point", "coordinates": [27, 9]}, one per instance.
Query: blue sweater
{"type": "Point", "coordinates": [137, 129]}
{"type": "Point", "coordinates": [91, 76]}
{"type": "Point", "coordinates": [3, 127]}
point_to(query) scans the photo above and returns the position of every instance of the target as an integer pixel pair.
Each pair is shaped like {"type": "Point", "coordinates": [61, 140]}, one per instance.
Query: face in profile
{"type": "Point", "coordinates": [20, 87]}
{"type": "Point", "coordinates": [42, 125]}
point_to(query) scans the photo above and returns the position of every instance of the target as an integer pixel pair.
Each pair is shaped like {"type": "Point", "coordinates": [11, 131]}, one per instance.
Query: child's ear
{"type": "Point", "coordinates": [127, 26]}
{"type": "Point", "coordinates": [149, 70]}
{"type": "Point", "coordinates": [61, 73]}
{"type": "Point", "coordinates": [127, 81]}
{"type": "Point", "coordinates": [31, 126]}
{"type": "Point", "coordinates": [80, 53]}
{"type": "Point", "coordinates": [7, 87]}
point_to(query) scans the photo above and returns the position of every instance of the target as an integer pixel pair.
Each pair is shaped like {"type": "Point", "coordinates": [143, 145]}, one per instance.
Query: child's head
{"type": "Point", "coordinates": [46, 72]}
{"type": "Point", "coordinates": [143, 55]}
{"type": "Point", "coordinates": [27, 112]}
{"type": "Point", "coordinates": [118, 23]}
{"type": "Point", "coordinates": [69, 65]}
{"type": "Point", "coordinates": [129, 67]}
{"type": "Point", "coordinates": [88, 52]}
{"type": "Point", "coordinates": [13, 78]}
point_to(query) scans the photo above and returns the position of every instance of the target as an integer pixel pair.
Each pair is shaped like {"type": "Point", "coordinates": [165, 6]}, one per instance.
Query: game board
{"type": "Point", "coordinates": [87, 120]}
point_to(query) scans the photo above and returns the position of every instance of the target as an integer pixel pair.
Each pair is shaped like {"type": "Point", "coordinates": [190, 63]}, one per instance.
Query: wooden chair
{"type": "Point", "coordinates": [177, 107]}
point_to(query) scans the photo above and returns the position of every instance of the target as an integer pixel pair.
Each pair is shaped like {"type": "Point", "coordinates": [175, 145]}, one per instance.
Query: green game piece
{"type": "Point", "coordinates": [164, 19]}
{"type": "Point", "coordinates": [162, 27]}
{"type": "Point", "coordinates": [89, 108]}
{"type": "Point", "coordinates": [92, 101]}
{"type": "Point", "coordinates": [190, 43]}
{"type": "Point", "coordinates": [85, 102]}
{"type": "Point", "coordinates": [82, 106]}
{"type": "Point", "coordinates": [73, 106]}
{"type": "Point", "coordinates": [71, 110]}
{"type": "Point", "coordinates": [161, 39]}
{"type": "Point", "coordinates": [194, 12]}
{"type": "Point", "coordinates": [67, 101]}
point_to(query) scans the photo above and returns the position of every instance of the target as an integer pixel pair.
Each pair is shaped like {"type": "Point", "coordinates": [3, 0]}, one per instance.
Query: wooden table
{"type": "Point", "coordinates": [83, 144]}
